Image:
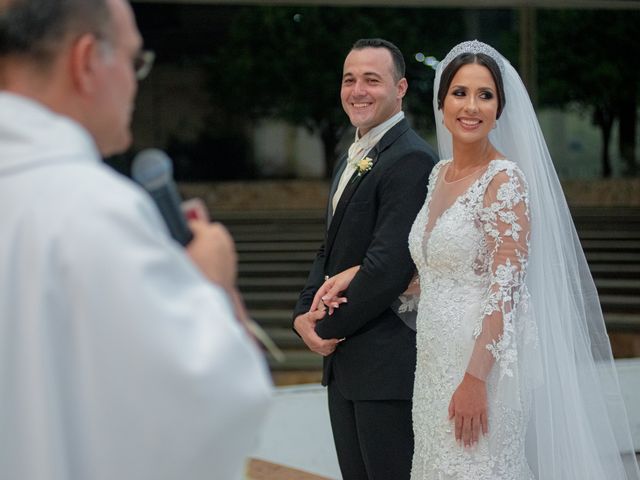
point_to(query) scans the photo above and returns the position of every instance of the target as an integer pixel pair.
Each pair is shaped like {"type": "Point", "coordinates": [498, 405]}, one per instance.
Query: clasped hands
{"type": "Point", "coordinates": [327, 296]}
{"type": "Point", "coordinates": [468, 405]}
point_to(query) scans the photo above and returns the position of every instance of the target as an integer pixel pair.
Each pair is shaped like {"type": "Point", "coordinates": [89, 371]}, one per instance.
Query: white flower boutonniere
{"type": "Point", "coordinates": [363, 166]}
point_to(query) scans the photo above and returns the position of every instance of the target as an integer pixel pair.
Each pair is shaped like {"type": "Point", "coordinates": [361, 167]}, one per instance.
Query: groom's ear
{"type": "Point", "coordinates": [402, 88]}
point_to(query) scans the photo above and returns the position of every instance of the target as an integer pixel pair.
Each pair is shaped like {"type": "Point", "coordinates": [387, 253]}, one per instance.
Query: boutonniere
{"type": "Point", "coordinates": [363, 166]}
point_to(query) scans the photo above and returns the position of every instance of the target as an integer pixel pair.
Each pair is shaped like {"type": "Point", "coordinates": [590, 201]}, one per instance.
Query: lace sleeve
{"type": "Point", "coordinates": [504, 218]}
{"type": "Point", "coordinates": [409, 298]}
{"type": "Point", "coordinates": [406, 305]}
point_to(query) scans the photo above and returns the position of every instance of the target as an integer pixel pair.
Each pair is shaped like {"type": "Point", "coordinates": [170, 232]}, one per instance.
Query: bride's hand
{"type": "Point", "coordinates": [330, 290]}
{"type": "Point", "coordinates": [468, 407]}
{"type": "Point", "coordinates": [414, 286]}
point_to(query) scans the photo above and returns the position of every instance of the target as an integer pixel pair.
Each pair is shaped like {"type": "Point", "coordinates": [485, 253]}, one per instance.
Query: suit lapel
{"type": "Point", "coordinates": [392, 135]}
{"type": "Point", "coordinates": [384, 143]}
{"type": "Point", "coordinates": [342, 164]}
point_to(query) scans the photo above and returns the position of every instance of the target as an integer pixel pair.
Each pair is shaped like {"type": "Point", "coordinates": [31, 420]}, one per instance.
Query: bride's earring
{"type": "Point", "coordinates": [495, 124]}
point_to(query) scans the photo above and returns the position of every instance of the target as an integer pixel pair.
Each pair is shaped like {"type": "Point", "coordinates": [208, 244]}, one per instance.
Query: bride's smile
{"type": "Point", "coordinates": [471, 104]}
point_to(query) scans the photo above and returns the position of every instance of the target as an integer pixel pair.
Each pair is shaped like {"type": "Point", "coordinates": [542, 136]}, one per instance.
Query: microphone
{"type": "Point", "coordinates": [152, 169]}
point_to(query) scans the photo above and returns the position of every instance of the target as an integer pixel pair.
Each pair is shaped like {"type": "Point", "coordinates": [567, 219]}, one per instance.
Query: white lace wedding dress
{"type": "Point", "coordinates": [470, 244]}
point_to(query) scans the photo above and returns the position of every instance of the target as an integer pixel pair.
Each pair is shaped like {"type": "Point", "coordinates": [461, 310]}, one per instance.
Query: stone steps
{"type": "Point", "coordinates": [276, 249]}
{"type": "Point", "coordinates": [285, 257]}
{"type": "Point", "coordinates": [615, 271]}
{"type": "Point", "coordinates": [298, 358]}
{"type": "Point", "coordinates": [615, 295]}
{"type": "Point", "coordinates": [613, 257]}
{"type": "Point", "coordinates": [272, 269]}
{"type": "Point", "coordinates": [281, 300]}
{"type": "Point", "coordinates": [268, 284]}
{"type": "Point", "coordinates": [620, 303]}
{"type": "Point", "coordinates": [624, 286]}
{"type": "Point", "coordinates": [611, 244]}
{"type": "Point", "coordinates": [272, 317]}
{"type": "Point", "coordinates": [280, 246]}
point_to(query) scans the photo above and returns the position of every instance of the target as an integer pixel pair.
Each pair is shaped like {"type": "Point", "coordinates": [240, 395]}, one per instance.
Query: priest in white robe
{"type": "Point", "coordinates": [120, 353]}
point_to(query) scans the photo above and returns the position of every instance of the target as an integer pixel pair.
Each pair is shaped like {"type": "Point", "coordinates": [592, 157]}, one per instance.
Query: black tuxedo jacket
{"type": "Point", "coordinates": [370, 228]}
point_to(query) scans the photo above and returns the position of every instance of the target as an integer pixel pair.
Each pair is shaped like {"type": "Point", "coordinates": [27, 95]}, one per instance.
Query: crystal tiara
{"type": "Point", "coordinates": [474, 46]}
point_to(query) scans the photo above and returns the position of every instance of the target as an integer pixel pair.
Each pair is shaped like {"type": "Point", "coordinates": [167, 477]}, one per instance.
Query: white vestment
{"type": "Point", "coordinates": [118, 359]}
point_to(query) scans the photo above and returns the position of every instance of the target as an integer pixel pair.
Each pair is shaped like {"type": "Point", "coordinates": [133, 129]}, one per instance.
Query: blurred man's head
{"type": "Point", "coordinates": [78, 57]}
{"type": "Point", "coordinates": [36, 29]}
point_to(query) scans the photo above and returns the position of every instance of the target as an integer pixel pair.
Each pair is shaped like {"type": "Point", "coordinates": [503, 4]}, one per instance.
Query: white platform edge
{"type": "Point", "coordinates": [297, 432]}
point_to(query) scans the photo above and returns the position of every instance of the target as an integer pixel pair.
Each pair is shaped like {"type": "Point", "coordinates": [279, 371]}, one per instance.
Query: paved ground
{"type": "Point", "coordinates": [261, 470]}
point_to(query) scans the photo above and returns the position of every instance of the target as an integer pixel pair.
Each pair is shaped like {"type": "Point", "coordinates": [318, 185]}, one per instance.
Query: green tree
{"type": "Point", "coordinates": [286, 62]}
{"type": "Point", "coordinates": [587, 58]}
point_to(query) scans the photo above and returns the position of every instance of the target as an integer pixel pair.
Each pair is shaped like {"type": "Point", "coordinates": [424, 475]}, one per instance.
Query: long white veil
{"type": "Point", "coordinates": [578, 428]}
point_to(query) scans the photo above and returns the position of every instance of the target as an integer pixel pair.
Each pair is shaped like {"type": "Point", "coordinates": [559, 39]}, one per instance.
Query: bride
{"type": "Point", "coordinates": [514, 376]}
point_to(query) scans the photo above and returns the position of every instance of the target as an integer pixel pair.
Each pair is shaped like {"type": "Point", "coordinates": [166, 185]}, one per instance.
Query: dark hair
{"type": "Point", "coordinates": [37, 28]}
{"type": "Point", "coordinates": [396, 54]}
{"type": "Point", "coordinates": [465, 59]}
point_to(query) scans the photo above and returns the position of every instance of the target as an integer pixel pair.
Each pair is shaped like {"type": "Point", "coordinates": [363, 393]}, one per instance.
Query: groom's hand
{"type": "Point", "coordinates": [305, 325]}
{"type": "Point", "coordinates": [329, 292]}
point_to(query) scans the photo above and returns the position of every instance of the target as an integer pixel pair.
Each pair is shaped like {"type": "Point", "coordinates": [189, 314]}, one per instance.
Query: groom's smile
{"type": "Point", "coordinates": [370, 94]}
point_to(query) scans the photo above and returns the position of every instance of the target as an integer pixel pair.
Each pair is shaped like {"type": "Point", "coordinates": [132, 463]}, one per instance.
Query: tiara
{"type": "Point", "coordinates": [474, 46]}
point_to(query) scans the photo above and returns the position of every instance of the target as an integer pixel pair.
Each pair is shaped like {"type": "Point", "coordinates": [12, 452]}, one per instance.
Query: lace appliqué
{"type": "Point", "coordinates": [410, 299]}
{"type": "Point", "coordinates": [408, 303]}
{"type": "Point", "coordinates": [500, 221]}
{"type": "Point", "coordinates": [507, 288]}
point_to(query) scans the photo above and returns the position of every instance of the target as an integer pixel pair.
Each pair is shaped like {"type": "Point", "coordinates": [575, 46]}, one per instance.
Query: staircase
{"type": "Point", "coordinates": [610, 238]}
{"type": "Point", "coordinates": [275, 253]}
{"type": "Point", "coordinates": [276, 249]}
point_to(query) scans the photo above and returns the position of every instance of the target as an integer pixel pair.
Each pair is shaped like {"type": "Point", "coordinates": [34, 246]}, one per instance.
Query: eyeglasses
{"type": "Point", "coordinates": [142, 63]}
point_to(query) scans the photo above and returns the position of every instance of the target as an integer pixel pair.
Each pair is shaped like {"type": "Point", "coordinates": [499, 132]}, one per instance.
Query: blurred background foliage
{"type": "Point", "coordinates": [285, 63]}
{"type": "Point", "coordinates": [589, 58]}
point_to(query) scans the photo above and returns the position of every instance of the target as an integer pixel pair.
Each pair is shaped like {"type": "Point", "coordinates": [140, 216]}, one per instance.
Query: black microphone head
{"type": "Point", "coordinates": [152, 169]}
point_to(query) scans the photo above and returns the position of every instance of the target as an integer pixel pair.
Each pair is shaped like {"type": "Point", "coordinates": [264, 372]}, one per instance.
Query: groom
{"type": "Point", "coordinates": [378, 187]}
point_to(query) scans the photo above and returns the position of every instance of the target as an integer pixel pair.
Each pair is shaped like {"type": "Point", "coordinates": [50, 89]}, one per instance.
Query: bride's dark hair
{"type": "Point", "coordinates": [465, 59]}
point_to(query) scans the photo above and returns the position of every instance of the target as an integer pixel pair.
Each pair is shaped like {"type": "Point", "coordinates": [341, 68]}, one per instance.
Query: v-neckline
{"type": "Point", "coordinates": [464, 193]}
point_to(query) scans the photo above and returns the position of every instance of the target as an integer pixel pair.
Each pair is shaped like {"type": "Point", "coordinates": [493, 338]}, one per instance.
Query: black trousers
{"type": "Point", "coordinates": [373, 438]}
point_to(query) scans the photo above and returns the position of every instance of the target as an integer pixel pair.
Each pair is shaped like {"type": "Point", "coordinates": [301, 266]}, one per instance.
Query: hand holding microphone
{"type": "Point", "coordinates": [210, 246]}
{"type": "Point", "coordinates": [213, 250]}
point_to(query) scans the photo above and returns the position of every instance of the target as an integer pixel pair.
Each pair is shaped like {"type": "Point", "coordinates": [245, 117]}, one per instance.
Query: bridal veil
{"type": "Point", "coordinates": [578, 428]}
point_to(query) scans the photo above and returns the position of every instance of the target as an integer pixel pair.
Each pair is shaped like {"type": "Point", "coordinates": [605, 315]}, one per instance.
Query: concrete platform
{"type": "Point", "coordinates": [297, 433]}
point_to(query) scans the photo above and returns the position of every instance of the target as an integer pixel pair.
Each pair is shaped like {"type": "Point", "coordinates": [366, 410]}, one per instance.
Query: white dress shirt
{"type": "Point", "coordinates": [359, 150]}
